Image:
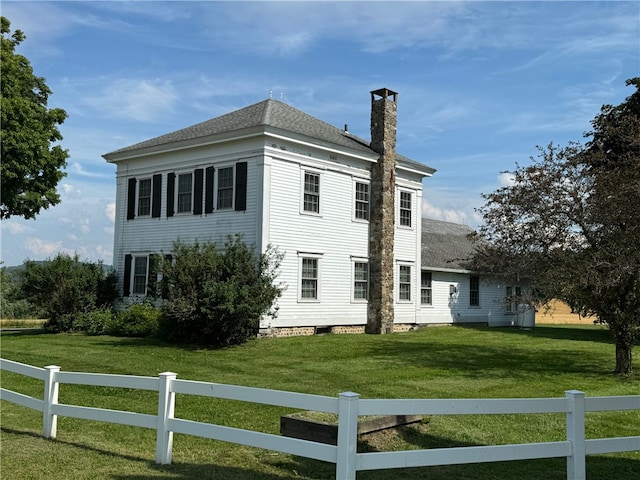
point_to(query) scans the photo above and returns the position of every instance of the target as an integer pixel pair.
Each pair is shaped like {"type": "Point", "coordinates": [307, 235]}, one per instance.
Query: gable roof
{"type": "Point", "coordinates": [446, 246]}
{"type": "Point", "coordinates": [267, 113]}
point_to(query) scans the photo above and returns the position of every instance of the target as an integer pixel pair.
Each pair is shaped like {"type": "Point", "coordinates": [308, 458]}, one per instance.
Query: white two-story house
{"type": "Point", "coordinates": [345, 212]}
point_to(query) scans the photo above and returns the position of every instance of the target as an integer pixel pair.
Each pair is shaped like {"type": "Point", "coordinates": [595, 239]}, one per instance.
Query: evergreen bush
{"type": "Point", "coordinates": [217, 296]}
{"type": "Point", "coordinates": [66, 287]}
{"type": "Point", "coordinates": [140, 320]}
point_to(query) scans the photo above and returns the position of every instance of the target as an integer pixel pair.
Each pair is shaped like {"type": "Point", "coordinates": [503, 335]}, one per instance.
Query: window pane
{"type": "Point", "coordinates": [360, 280]}
{"type": "Point", "coordinates": [311, 201]}
{"type": "Point", "coordinates": [509, 300]}
{"type": "Point", "coordinates": [309, 289]}
{"type": "Point", "coordinates": [405, 274]}
{"type": "Point", "coordinates": [144, 197]}
{"type": "Point", "coordinates": [140, 275]}
{"type": "Point", "coordinates": [225, 187]}
{"type": "Point", "coordinates": [405, 283]}
{"type": "Point", "coordinates": [405, 209]}
{"type": "Point", "coordinates": [362, 201]}
{"type": "Point", "coordinates": [474, 291]}
{"type": "Point", "coordinates": [184, 192]}
{"type": "Point", "coordinates": [425, 290]}
{"type": "Point", "coordinates": [309, 281]}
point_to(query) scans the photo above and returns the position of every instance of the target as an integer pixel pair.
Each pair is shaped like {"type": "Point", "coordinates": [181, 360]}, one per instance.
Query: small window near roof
{"type": "Point", "coordinates": [405, 209]}
{"type": "Point", "coordinates": [311, 200]}
{"type": "Point", "coordinates": [225, 188]}
{"type": "Point", "coordinates": [362, 201]}
{"type": "Point", "coordinates": [185, 186]}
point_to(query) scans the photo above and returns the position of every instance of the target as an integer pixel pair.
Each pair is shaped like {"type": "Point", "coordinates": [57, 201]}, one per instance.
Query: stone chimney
{"type": "Point", "coordinates": [384, 113]}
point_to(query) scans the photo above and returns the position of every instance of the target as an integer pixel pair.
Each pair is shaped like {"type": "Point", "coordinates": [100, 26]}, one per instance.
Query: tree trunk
{"type": "Point", "coordinates": [623, 358]}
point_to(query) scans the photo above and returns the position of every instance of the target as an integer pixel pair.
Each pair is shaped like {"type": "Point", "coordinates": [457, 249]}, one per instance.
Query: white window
{"type": "Point", "coordinates": [360, 280]}
{"type": "Point", "coordinates": [225, 188]}
{"type": "Point", "coordinates": [405, 209]}
{"type": "Point", "coordinates": [144, 197]}
{"type": "Point", "coordinates": [404, 283]}
{"type": "Point", "coordinates": [512, 298]}
{"type": "Point", "coordinates": [474, 291]}
{"type": "Point", "coordinates": [139, 275]}
{"type": "Point", "coordinates": [185, 189]}
{"type": "Point", "coordinates": [426, 295]}
{"type": "Point", "coordinates": [311, 192]}
{"type": "Point", "coordinates": [362, 201]}
{"type": "Point", "coordinates": [309, 277]}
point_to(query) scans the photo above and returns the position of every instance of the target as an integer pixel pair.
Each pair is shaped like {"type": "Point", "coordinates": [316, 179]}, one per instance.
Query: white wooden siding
{"type": "Point", "coordinates": [453, 309]}
{"type": "Point", "coordinates": [333, 234]}
{"type": "Point", "coordinates": [157, 235]}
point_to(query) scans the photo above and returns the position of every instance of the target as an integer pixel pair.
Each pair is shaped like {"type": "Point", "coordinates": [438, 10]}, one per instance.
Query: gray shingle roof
{"type": "Point", "coordinates": [445, 245]}
{"type": "Point", "coordinates": [272, 113]}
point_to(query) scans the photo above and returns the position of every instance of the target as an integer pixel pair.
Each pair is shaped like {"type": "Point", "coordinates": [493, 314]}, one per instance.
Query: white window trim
{"type": "Point", "coordinates": [354, 200]}
{"type": "Point", "coordinates": [318, 257]}
{"type": "Point", "coordinates": [177, 192]}
{"type": "Point", "coordinates": [313, 171]}
{"type": "Point", "coordinates": [399, 209]}
{"type": "Point", "coordinates": [412, 293]}
{"type": "Point", "coordinates": [355, 260]}
{"type": "Point", "coordinates": [426, 305]}
{"type": "Point", "coordinates": [140, 180]}
{"type": "Point", "coordinates": [216, 178]}
{"type": "Point", "coordinates": [132, 281]}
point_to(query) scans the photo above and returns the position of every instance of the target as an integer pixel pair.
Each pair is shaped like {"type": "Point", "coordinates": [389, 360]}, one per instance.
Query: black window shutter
{"type": "Point", "coordinates": [241, 186]}
{"type": "Point", "coordinates": [152, 275]}
{"type": "Point", "coordinates": [171, 186]}
{"type": "Point", "coordinates": [126, 280]}
{"type": "Point", "coordinates": [197, 191]}
{"type": "Point", "coordinates": [156, 185]}
{"type": "Point", "coordinates": [164, 287]}
{"type": "Point", "coordinates": [208, 191]}
{"type": "Point", "coordinates": [131, 199]}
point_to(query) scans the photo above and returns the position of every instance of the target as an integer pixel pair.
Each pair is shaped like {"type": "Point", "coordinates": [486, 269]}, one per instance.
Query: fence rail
{"type": "Point", "coordinates": [348, 406]}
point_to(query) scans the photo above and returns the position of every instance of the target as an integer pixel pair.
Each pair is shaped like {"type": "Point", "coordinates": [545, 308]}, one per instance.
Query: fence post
{"type": "Point", "coordinates": [166, 409]}
{"type": "Point", "coordinates": [576, 463]}
{"type": "Point", "coordinates": [347, 436]}
{"type": "Point", "coordinates": [49, 420]}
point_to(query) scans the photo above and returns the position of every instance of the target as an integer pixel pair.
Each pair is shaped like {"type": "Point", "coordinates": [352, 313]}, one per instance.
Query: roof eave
{"type": "Point", "coordinates": [240, 134]}
{"type": "Point", "coordinates": [447, 270]}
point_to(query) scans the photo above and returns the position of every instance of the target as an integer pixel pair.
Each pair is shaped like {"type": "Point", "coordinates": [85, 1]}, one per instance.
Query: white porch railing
{"type": "Point", "coordinates": [348, 406]}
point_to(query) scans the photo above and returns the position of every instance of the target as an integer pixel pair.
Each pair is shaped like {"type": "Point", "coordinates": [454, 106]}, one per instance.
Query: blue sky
{"type": "Point", "coordinates": [480, 85]}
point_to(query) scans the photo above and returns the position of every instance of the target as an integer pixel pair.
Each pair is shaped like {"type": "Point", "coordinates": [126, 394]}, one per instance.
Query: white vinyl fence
{"type": "Point", "coordinates": [348, 406]}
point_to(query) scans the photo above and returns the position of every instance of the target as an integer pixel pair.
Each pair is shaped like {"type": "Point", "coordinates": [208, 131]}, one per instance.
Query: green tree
{"type": "Point", "coordinates": [569, 225]}
{"type": "Point", "coordinates": [11, 306]}
{"type": "Point", "coordinates": [217, 296]}
{"type": "Point", "coordinates": [65, 287]}
{"type": "Point", "coordinates": [31, 167]}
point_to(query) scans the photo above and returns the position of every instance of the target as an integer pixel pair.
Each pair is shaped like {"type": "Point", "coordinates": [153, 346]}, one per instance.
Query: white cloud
{"type": "Point", "coordinates": [137, 99]}
{"type": "Point", "coordinates": [110, 211]}
{"type": "Point", "coordinates": [505, 179]}
{"type": "Point", "coordinates": [14, 228]}
{"type": "Point", "coordinates": [40, 247]}
{"type": "Point", "coordinates": [70, 191]}
{"type": "Point", "coordinates": [35, 19]}
{"type": "Point", "coordinates": [459, 216]}
{"type": "Point", "coordinates": [77, 168]}
{"type": "Point", "coordinates": [105, 254]}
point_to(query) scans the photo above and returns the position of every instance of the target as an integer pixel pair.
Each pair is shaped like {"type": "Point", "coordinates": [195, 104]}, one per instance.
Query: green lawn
{"type": "Point", "coordinates": [441, 362]}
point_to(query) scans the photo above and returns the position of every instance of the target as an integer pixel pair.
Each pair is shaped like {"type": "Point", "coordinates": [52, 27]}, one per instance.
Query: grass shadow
{"type": "Point", "coordinates": [484, 360]}
{"type": "Point", "coordinates": [573, 333]}
{"type": "Point", "coordinates": [182, 470]}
